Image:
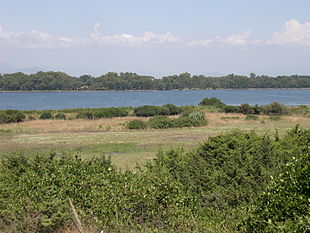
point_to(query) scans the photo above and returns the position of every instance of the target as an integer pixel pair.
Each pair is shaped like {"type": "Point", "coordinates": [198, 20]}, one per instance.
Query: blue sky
{"type": "Point", "coordinates": [157, 37]}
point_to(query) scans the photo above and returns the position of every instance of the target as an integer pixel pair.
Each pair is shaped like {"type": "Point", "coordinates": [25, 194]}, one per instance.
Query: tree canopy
{"type": "Point", "coordinates": [132, 81]}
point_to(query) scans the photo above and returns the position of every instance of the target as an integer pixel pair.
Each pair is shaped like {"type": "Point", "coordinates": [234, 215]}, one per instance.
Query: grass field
{"type": "Point", "coordinates": [127, 147]}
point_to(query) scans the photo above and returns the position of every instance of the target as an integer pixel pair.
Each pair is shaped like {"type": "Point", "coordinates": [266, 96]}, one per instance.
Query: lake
{"type": "Point", "coordinates": [95, 99]}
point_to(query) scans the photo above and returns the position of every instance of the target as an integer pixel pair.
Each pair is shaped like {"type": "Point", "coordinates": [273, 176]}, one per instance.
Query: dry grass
{"type": "Point", "coordinates": [126, 147]}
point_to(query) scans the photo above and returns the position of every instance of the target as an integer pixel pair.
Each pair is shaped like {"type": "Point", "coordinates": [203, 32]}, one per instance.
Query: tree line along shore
{"type": "Point", "coordinates": [60, 81]}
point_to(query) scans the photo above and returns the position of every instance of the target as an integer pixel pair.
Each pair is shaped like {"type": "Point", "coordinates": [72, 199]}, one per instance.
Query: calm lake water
{"type": "Point", "coordinates": [62, 100]}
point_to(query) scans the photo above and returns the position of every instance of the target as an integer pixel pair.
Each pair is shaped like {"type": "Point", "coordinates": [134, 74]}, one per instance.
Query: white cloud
{"type": "Point", "coordinates": [202, 43]}
{"type": "Point", "coordinates": [37, 39]}
{"type": "Point", "coordinates": [238, 39]}
{"type": "Point", "coordinates": [292, 32]}
{"type": "Point", "coordinates": [34, 39]}
{"type": "Point", "coordinates": [148, 37]}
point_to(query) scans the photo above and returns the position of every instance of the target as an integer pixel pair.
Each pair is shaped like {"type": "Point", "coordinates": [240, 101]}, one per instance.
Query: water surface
{"type": "Point", "coordinates": [63, 100]}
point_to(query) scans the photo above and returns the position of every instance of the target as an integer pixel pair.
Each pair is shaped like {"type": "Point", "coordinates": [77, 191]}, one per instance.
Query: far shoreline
{"type": "Point", "coordinates": [187, 89]}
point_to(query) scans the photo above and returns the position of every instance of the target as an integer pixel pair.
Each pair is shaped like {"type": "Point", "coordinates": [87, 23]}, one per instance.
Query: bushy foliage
{"type": "Point", "coordinates": [170, 109]}
{"type": "Point", "coordinates": [212, 102]}
{"type": "Point", "coordinates": [97, 113]}
{"type": "Point", "coordinates": [178, 192]}
{"type": "Point", "coordinates": [285, 206]}
{"type": "Point", "coordinates": [34, 195]}
{"type": "Point", "coordinates": [197, 115]}
{"type": "Point", "coordinates": [11, 116]}
{"type": "Point", "coordinates": [161, 122]}
{"type": "Point", "coordinates": [46, 115]}
{"type": "Point", "coordinates": [194, 119]}
{"type": "Point", "coordinates": [227, 170]}
{"type": "Point", "coordinates": [275, 108]}
{"type": "Point", "coordinates": [60, 116]}
{"type": "Point", "coordinates": [136, 124]}
{"type": "Point", "coordinates": [244, 109]}
{"type": "Point", "coordinates": [147, 110]}
{"type": "Point", "coordinates": [231, 109]}
{"type": "Point", "coordinates": [150, 110]}
{"type": "Point", "coordinates": [110, 112]}
{"type": "Point", "coordinates": [85, 115]}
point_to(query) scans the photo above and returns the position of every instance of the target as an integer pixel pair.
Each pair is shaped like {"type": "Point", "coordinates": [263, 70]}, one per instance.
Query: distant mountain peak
{"type": "Point", "coordinates": [7, 69]}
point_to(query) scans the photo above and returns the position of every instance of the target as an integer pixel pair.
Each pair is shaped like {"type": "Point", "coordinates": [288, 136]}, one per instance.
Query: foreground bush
{"type": "Point", "coordinates": [11, 116]}
{"type": "Point", "coordinates": [209, 189]}
{"type": "Point", "coordinates": [34, 196]}
{"type": "Point", "coordinates": [136, 124]}
{"type": "Point", "coordinates": [285, 206]}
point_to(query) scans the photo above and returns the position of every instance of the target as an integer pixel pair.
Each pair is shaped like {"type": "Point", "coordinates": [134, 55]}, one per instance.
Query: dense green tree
{"type": "Point", "coordinates": [132, 81]}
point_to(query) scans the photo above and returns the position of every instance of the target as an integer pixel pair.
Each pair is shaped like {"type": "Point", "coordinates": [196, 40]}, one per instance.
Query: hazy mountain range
{"type": "Point", "coordinates": [7, 68]}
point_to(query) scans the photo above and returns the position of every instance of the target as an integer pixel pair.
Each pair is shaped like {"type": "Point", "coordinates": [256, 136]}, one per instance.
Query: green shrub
{"type": "Point", "coordinates": [161, 122]}
{"type": "Point", "coordinates": [110, 112]}
{"type": "Point", "coordinates": [212, 102]}
{"type": "Point", "coordinates": [231, 109]}
{"type": "Point", "coordinates": [136, 124]}
{"type": "Point", "coordinates": [191, 119]}
{"type": "Point", "coordinates": [285, 206]}
{"type": "Point", "coordinates": [31, 118]}
{"type": "Point", "coordinates": [197, 115]}
{"type": "Point", "coordinates": [103, 113]}
{"type": "Point", "coordinates": [60, 116]}
{"type": "Point", "coordinates": [194, 119]}
{"type": "Point", "coordinates": [84, 115]}
{"type": "Point", "coordinates": [186, 108]}
{"type": "Point", "coordinates": [275, 109]}
{"type": "Point", "coordinates": [170, 109]}
{"type": "Point", "coordinates": [119, 112]}
{"type": "Point", "coordinates": [188, 122]}
{"type": "Point", "coordinates": [208, 189]}
{"type": "Point", "coordinates": [11, 116]}
{"type": "Point", "coordinates": [147, 110]}
{"type": "Point", "coordinates": [246, 109]}
{"type": "Point", "coordinates": [34, 197]}
{"type": "Point", "coordinates": [46, 115]}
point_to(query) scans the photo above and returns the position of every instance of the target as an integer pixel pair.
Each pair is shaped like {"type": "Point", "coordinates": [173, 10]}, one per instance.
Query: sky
{"type": "Point", "coordinates": [156, 37]}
